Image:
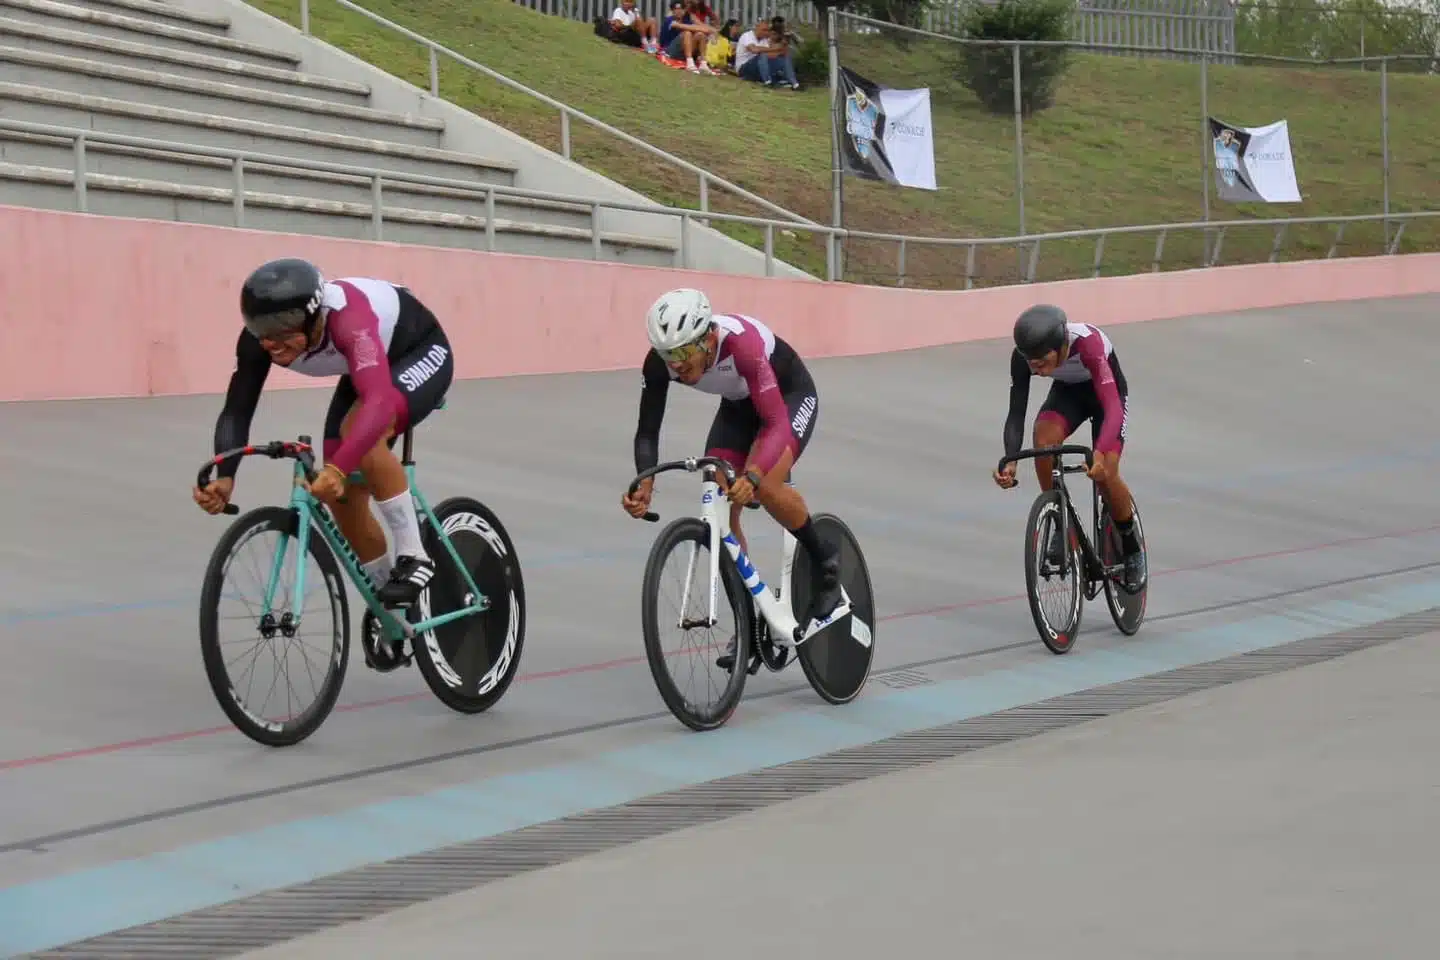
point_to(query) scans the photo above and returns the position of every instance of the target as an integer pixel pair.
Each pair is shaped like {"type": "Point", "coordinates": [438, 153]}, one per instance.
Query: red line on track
{"type": "Point", "coordinates": [166, 738]}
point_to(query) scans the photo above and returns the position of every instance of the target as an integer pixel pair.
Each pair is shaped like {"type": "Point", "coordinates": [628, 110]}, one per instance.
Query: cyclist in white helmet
{"type": "Point", "coordinates": [767, 412]}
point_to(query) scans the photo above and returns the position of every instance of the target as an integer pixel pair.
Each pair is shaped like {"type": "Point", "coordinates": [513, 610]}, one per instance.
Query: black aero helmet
{"type": "Point", "coordinates": [282, 296]}
{"type": "Point", "coordinates": [1039, 330]}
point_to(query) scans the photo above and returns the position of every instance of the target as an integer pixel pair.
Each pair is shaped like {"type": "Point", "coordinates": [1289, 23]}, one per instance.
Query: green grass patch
{"type": "Point", "coordinates": [1122, 145]}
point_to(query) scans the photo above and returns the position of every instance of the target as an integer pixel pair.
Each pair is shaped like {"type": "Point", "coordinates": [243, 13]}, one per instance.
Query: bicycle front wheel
{"type": "Point", "coordinates": [262, 648]}
{"type": "Point", "coordinates": [675, 598]}
{"type": "Point", "coordinates": [1055, 591]}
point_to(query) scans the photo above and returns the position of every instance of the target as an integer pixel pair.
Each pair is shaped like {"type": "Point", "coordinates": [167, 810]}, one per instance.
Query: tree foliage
{"type": "Point", "coordinates": [988, 71]}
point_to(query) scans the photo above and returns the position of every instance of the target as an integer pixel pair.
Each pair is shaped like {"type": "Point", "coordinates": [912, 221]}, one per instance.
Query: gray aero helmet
{"type": "Point", "coordinates": [1039, 330]}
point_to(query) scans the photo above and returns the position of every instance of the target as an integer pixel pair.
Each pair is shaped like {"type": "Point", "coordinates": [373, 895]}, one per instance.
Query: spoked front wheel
{"type": "Point", "coordinates": [1055, 590]}
{"type": "Point", "coordinates": [469, 663]}
{"type": "Point", "coordinates": [836, 660]}
{"type": "Point", "coordinates": [1126, 609]}
{"type": "Point", "coordinates": [255, 661]}
{"type": "Point", "coordinates": [675, 603]}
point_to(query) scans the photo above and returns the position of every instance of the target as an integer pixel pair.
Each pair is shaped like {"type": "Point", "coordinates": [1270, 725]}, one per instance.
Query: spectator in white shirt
{"type": "Point", "coordinates": [627, 26]}
{"type": "Point", "coordinates": [764, 50]}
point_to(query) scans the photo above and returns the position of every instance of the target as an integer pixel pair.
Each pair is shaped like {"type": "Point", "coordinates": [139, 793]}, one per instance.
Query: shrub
{"type": "Point", "coordinates": [989, 71]}
{"type": "Point", "coordinates": [812, 63]}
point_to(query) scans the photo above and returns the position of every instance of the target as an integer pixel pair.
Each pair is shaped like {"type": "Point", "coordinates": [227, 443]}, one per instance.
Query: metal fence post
{"type": "Point", "coordinates": [1205, 148]}
{"type": "Point", "coordinates": [81, 177]}
{"type": "Point", "coordinates": [1385, 141]}
{"type": "Point", "coordinates": [1019, 152]}
{"type": "Point", "coordinates": [833, 269]}
{"type": "Point", "coordinates": [305, 17]}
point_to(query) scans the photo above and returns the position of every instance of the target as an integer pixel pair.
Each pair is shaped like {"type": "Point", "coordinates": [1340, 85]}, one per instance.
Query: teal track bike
{"type": "Point", "coordinates": [466, 632]}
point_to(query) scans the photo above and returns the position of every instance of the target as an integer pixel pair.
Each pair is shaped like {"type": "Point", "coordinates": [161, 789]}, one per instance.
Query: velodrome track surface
{"type": "Point", "coordinates": [1282, 460]}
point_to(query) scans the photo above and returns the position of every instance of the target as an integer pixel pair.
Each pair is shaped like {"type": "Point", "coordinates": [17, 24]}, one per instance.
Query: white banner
{"type": "Point", "coordinates": [908, 137]}
{"type": "Point", "coordinates": [887, 133]}
{"type": "Point", "coordinates": [1254, 163]}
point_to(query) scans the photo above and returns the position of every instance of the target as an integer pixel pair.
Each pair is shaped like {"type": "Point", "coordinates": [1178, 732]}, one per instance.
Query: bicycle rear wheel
{"type": "Point", "coordinates": [835, 662]}
{"type": "Point", "coordinates": [686, 542]}
{"type": "Point", "coordinates": [1126, 609]}
{"type": "Point", "coordinates": [469, 663]}
{"type": "Point", "coordinates": [1058, 630]}
{"type": "Point", "coordinates": [332, 641]}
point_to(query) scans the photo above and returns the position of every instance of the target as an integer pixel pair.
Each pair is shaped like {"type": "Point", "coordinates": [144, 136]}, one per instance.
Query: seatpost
{"type": "Point", "coordinates": [407, 450]}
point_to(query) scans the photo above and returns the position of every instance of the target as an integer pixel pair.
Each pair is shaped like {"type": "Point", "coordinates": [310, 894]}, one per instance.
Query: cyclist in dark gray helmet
{"type": "Point", "coordinates": [1088, 385]}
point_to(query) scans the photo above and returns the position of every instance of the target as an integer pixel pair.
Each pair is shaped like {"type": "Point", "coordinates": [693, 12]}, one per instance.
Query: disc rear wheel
{"type": "Point", "coordinates": [837, 659]}
{"type": "Point", "coordinates": [470, 662]}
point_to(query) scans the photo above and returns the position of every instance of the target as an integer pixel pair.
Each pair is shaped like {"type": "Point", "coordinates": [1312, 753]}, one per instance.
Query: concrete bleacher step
{"type": "Point", "coordinates": [106, 194]}
{"type": "Point", "coordinates": [177, 166]}
{"type": "Point", "coordinates": [158, 11]}
{"type": "Point", "coordinates": [44, 105]}
{"type": "Point", "coordinates": [77, 43]}
{"type": "Point", "coordinates": [49, 13]}
{"type": "Point", "coordinates": [152, 87]}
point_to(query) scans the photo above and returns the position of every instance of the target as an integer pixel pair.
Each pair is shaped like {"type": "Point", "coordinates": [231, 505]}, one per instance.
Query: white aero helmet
{"type": "Point", "coordinates": [677, 318]}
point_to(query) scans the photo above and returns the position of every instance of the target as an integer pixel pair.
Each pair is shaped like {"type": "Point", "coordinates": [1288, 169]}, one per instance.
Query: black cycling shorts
{"type": "Point", "coordinates": [422, 374]}
{"type": "Point", "coordinates": [1075, 403]}
{"type": "Point", "coordinates": [737, 425]}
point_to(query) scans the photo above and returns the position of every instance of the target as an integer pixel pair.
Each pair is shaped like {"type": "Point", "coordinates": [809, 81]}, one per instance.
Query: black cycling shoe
{"type": "Point", "coordinates": [379, 655]}
{"type": "Point", "coordinates": [827, 591]}
{"type": "Point", "coordinates": [410, 576]}
{"type": "Point", "coordinates": [726, 660]}
{"type": "Point", "coordinates": [1135, 571]}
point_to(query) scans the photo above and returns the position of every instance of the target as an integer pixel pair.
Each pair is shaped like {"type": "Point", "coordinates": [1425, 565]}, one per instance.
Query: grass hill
{"type": "Point", "coordinates": [1121, 145]}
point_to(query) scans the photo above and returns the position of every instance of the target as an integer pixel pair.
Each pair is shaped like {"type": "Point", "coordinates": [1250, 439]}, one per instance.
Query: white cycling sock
{"type": "Point", "coordinates": [399, 514]}
{"type": "Point", "coordinates": [378, 569]}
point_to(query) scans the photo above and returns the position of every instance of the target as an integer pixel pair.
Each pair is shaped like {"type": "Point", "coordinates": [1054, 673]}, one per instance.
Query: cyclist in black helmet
{"type": "Point", "coordinates": [394, 363]}
{"type": "Point", "coordinates": [1088, 385]}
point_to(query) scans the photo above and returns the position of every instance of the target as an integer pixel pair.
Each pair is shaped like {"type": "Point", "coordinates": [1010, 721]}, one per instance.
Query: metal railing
{"type": "Point", "coordinates": [1208, 24]}
{"type": "Point", "coordinates": [833, 235]}
{"type": "Point", "coordinates": [567, 112]}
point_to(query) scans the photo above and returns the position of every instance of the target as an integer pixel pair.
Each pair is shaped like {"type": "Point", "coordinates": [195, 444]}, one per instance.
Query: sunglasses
{"type": "Point", "coordinates": [683, 354]}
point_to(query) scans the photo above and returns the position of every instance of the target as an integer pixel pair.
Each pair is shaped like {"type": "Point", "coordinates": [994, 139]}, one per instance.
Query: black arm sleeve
{"type": "Point", "coordinates": [654, 387]}
{"type": "Point", "coordinates": [1019, 399]}
{"type": "Point", "coordinates": [232, 428]}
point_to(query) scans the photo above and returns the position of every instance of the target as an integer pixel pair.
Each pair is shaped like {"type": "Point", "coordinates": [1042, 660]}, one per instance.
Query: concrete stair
{"type": "Point", "coordinates": [145, 68]}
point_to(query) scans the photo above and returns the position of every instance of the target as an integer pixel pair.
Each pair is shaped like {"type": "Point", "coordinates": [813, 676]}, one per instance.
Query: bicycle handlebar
{"type": "Point", "coordinates": [689, 464]}
{"type": "Point", "coordinates": [1061, 451]}
{"type": "Point", "coordinates": [275, 450]}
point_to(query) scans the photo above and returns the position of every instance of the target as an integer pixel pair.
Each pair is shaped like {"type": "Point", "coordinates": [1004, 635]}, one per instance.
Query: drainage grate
{"type": "Point", "coordinates": [281, 915]}
{"type": "Point", "coordinates": [901, 679]}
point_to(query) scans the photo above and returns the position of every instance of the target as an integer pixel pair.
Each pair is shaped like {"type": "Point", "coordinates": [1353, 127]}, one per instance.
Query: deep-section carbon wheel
{"type": "Point", "coordinates": [254, 663]}
{"type": "Point", "coordinates": [1055, 591]}
{"type": "Point", "coordinates": [676, 584]}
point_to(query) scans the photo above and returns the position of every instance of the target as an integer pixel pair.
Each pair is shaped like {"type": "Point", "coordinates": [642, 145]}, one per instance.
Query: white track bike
{"type": "Point", "coordinates": [834, 654]}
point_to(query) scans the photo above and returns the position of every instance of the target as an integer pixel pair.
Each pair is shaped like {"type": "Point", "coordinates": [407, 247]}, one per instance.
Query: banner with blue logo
{"type": "Point", "coordinates": [885, 134]}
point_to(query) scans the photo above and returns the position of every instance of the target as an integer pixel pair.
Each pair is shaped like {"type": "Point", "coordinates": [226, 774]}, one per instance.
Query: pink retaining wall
{"type": "Point", "coordinates": [111, 307]}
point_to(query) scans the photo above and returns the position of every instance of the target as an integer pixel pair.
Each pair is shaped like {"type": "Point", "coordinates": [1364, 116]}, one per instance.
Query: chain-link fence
{"type": "Point", "coordinates": [1037, 137]}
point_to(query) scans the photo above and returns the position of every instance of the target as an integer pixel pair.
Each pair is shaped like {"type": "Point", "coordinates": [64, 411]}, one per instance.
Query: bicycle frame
{"type": "Point", "coordinates": [1094, 568]}
{"type": "Point", "coordinates": [785, 630]}
{"type": "Point", "coordinates": [307, 508]}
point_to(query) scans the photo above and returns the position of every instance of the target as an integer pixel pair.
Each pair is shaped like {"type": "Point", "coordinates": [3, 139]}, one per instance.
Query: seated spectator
{"type": "Point", "coordinates": [720, 54]}
{"type": "Point", "coordinates": [764, 50]}
{"type": "Point", "coordinates": [691, 37]}
{"type": "Point", "coordinates": [627, 26]}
